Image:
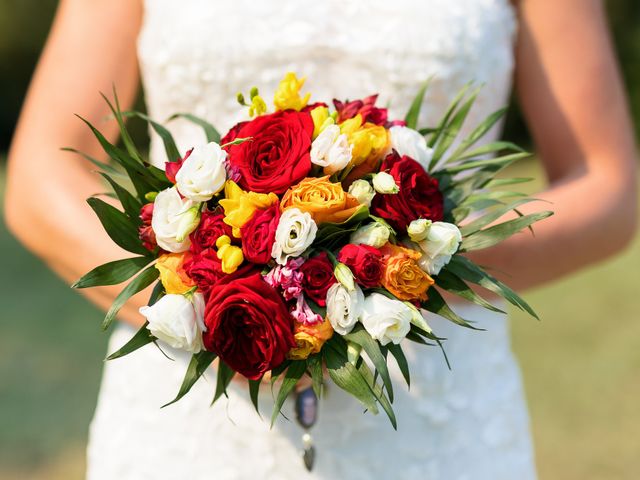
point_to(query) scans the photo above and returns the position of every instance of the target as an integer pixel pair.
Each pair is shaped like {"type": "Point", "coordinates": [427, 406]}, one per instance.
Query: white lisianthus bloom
{"type": "Point", "coordinates": [177, 321]}
{"type": "Point", "coordinates": [331, 150]}
{"type": "Point", "coordinates": [409, 142]}
{"type": "Point", "coordinates": [296, 231]}
{"type": "Point", "coordinates": [374, 234]}
{"type": "Point", "coordinates": [438, 246]}
{"type": "Point", "coordinates": [385, 319]}
{"type": "Point", "coordinates": [174, 218]}
{"type": "Point", "coordinates": [384, 182]}
{"type": "Point", "coordinates": [203, 173]}
{"type": "Point", "coordinates": [362, 191]}
{"type": "Point", "coordinates": [344, 307]}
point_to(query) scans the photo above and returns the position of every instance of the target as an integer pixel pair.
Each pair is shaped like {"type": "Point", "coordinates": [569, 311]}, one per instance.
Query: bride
{"type": "Point", "coordinates": [194, 55]}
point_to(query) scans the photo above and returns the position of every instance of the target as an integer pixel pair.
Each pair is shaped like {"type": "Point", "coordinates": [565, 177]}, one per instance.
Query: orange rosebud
{"type": "Point", "coordinates": [323, 200]}
{"type": "Point", "coordinates": [309, 339]}
{"type": "Point", "coordinates": [402, 275]}
{"type": "Point", "coordinates": [172, 275]}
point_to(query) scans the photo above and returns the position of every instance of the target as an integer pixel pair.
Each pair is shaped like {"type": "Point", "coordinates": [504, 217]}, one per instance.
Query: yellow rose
{"type": "Point", "coordinates": [239, 206]}
{"type": "Point", "coordinates": [369, 141]}
{"type": "Point", "coordinates": [402, 275]}
{"type": "Point", "coordinates": [309, 339]}
{"type": "Point", "coordinates": [287, 95]}
{"type": "Point", "coordinates": [173, 277]}
{"type": "Point", "coordinates": [325, 201]}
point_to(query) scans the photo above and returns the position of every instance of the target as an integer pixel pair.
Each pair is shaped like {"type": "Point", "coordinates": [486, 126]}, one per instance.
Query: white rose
{"type": "Point", "coordinates": [374, 234]}
{"type": "Point", "coordinates": [203, 173]}
{"type": "Point", "coordinates": [296, 231]}
{"type": "Point", "coordinates": [411, 143]}
{"type": "Point", "coordinates": [441, 242]}
{"type": "Point", "coordinates": [177, 321]}
{"type": "Point", "coordinates": [362, 191]}
{"type": "Point", "coordinates": [173, 219]}
{"type": "Point", "coordinates": [386, 320]}
{"type": "Point", "coordinates": [384, 182]}
{"type": "Point", "coordinates": [344, 307]}
{"type": "Point", "coordinates": [331, 150]}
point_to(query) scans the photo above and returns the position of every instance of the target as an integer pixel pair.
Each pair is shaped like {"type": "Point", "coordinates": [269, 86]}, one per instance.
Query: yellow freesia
{"type": "Point", "coordinates": [258, 106]}
{"type": "Point", "coordinates": [239, 206]}
{"type": "Point", "coordinates": [231, 255]}
{"type": "Point", "coordinates": [321, 120]}
{"type": "Point", "coordinates": [287, 95]}
{"type": "Point", "coordinates": [172, 275]}
{"type": "Point", "coordinates": [369, 141]}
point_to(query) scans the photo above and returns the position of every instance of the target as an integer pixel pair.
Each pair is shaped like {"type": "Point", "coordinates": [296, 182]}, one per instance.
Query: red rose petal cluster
{"type": "Point", "coordinates": [419, 195]}
{"type": "Point", "coordinates": [211, 228]}
{"type": "Point", "coordinates": [318, 277]}
{"type": "Point", "coordinates": [277, 156]}
{"type": "Point", "coordinates": [248, 325]}
{"type": "Point", "coordinates": [365, 107]}
{"type": "Point", "coordinates": [145, 232]}
{"type": "Point", "coordinates": [365, 261]}
{"type": "Point", "coordinates": [259, 233]}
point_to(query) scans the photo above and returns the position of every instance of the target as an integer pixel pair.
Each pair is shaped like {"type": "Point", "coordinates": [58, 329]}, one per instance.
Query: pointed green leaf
{"type": "Point", "coordinates": [436, 304]}
{"type": "Point", "coordinates": [478, 132]}
{"type": "Point", "coordinates": [489, 148]}
{"type": "Point", "coordinates": [254, 392]}
{"type": "Point", "coordinates": [445, 118]}
{"type": "Point", "coordinates": [497, 233]}
{"type": "Point", "coordinates": [314, 364]}
{"type": "Point", "coordinates": [105, 167]}
{"type": "Point", "coordinates": [453, 284]}
{"type": "Point", "coordinates": [139, 283]}
{"type": "Point", "coordinates": [411, 119]}
{"type": "Point", "coordinates": [124, 133]}
{"type": "Point", "coordinates": [378, 393]}
{"type": "Point", "coordinates": [167, 139]}
{"type": "Point", "coordinates": [209, 130]}
{"type": "Point", "coordinates": [140, 339]}
{"type": "Point", "coordinates": [197, 366]}
{"type": "Point", "coordinates": [117, 226]}
{"type": "Point", "coordinates": [223, 379]}
{"type": "Point", "coordinates": [401, 360]}
{"type": "Point", "coordinates": [452, 129]}
{"type": "Point", "coordinates": [291, 377]}
{"type": "Point", "coordinates": [130, 203]}
{"type": "Point", "coordinates": [112, 273]}
{"type": "Point", "coordinates": [491, 216]}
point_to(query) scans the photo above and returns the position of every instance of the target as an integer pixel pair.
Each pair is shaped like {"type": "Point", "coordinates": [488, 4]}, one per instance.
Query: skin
{"type": "Point", "coordinates": [566, 78]}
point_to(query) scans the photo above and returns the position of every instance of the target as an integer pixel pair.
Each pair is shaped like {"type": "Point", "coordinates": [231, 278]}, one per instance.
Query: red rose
{"type": "Point", "coordinates": [145, 232]}
{"type": "Point", "coordinates": [278, 154]}
{"type": "Point", "coordinates": [419, 195]}
{"type": "Point", "coordinates": [211, 228]}
{"type": "Point", "coordinates": [205, 269]}
{"type": "Point", "coordinates": [171, 168]}
{"type": "Point", "coordinates": [365, 107]}
{"type": "Point", "coordinates": [364, 261]}
{"type": "Point", "coordinates": [248, 325]}
{"type": "Point", "coordinates": [318, 277]}
{"type": "Point", "coordinates": [259, 233]}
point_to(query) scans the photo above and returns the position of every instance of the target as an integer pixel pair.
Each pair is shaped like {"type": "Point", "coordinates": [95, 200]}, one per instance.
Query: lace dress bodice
{"type": "Point", "coordinates": [469, 423]}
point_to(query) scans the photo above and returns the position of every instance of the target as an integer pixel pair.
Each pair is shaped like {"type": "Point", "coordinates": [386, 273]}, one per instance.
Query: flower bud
{"type": "Point", "coordinates": [374, 234]}
{"type": "Point", "coordinates": [150, 196]}
{"type": "Point", "coordinates": [344, 275]}
{"type": "Point", "coordinates": [362, 191]}
{"type": "Point", "coordinates": [418, 230]}
{"type": "Point", "coordinates": [189, 221]}
{"type": "Point", "coordinates": [353, 352]}
{"type": "Point", "coordinates": [384, 182]}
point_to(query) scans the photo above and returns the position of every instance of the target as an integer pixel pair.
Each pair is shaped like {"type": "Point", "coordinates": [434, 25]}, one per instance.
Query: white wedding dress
{"type": "Point", "coordinates": [469, 423]}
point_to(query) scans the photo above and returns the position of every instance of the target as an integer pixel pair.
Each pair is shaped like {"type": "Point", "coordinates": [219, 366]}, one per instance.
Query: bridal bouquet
{"type": "Point", "coordinates": [308, 238]}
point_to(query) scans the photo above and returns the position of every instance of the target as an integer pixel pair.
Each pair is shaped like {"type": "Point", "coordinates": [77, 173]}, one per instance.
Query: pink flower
{"type": "Point", "coordinates": [288, 277]}
{"type": "Point", "coordinates": [303, 313]}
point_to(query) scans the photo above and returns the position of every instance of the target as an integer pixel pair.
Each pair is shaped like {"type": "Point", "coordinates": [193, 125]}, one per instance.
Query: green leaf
{"type": "Point", "coordinates": [453, 284]}
{"type": "Point", "coordinates": [401, 360]}
{"type": "Point", "coordinates": [112, 273]}
{"type": "Point", "coordinates": [156, 294]}
{"type": "Point", "coordinates": [497, 233]}
{"type": "Point", "coordinates": [491, 216]}
{"type": "Point", "coordinates": [378, 393]}
{"type": "Point", "coordinates": [411, 119]}
{"type": "Point", "coordinates": [478, 133]}
{"type": "Point", "coordinates": [361, 337]}
{"type": "Point", "coordinates": [491, 147]}
{"type": "Point", "coordinates": [346, 376]}
{"type": "Point", "coordinates": [291, 377]}
{"type": "Point", "coordinates": [142, 281]}
{"type": "Point", "coordinates": [130, 203]}
{"type": "Point", "coordinates": [140, 339]}
{"type": "Point", "coordinates": [314, 364]}
{"type": "Point", "coordinates": [501, 182]}
{"type": "Point", "coordinates": [117, 226]}
{"type": "Point", "coordinates": [223, 379]}
{"type": "Point", "coordinates": [445, 118]}
{"type": "Point", "coordinates": [331, 234]}
{"type": "Point", "coordinates": [124, 133]}
{"type": "Point", "coordinates": [469, 271]}
{"type": "Point", "coordinates": [167, 139]}
{"type": "Point", "coordinates": [105, 167]}
{"type": "Point", "coordinates": [254, 392]}
{"type": "Point", "coordinates": [452, 129]}
{"type": "Point", "coordinates": [436, 304]}
{"type": "Point", "coordinates": [209, 130]}
{"type": "Point", "coordinates": [197, 366]}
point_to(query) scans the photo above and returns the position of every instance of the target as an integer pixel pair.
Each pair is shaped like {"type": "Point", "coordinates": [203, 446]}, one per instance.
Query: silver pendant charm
{"type": "Point", "coordinates": [306, 407]}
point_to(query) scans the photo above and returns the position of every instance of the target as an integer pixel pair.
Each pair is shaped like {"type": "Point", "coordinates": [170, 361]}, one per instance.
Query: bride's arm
{"type": "Point", "coordinates": [572, 96]}
{"type": "Point", "coordinates": [90, 48]}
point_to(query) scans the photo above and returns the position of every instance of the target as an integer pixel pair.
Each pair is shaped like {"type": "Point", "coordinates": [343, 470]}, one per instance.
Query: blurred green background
{"type": "Point", "coordinates": [581, 363]}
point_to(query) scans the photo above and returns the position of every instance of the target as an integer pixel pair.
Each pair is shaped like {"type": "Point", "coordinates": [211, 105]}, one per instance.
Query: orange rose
{"type": "Point", "coordinates": [172, 275]}
{"type": "Point", "coordinates": [402, 275]}
{"type": "Point", "coordinates": [325, 201]}
{"type": "Point", "coordinates": [309, 339]}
